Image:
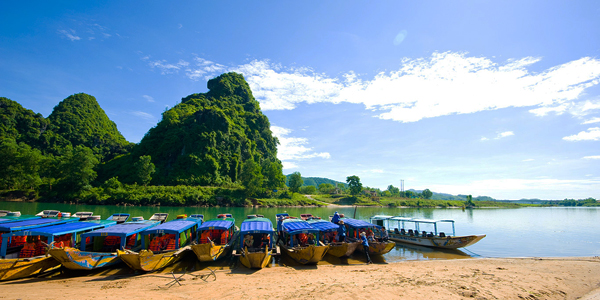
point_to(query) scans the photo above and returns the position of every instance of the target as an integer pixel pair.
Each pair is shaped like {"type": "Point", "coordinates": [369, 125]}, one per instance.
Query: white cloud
{"type": "Point", "coordinates": [70, 34]}
{"type": "Point", "coordinates": [529, 159]}
{"type": "Point", "coordinates": [143, 115]}
{"type": "Point", "coordinates": [592, 121]}
{"type": "Point", "coordinates": [166, 68]}
{"type": "Point", "coordinates": [592, 134]}
{"type": "Point", "coordinates": [592, 157]}
{"type": "Point", "coordinates": [442, 84]}
{"type": "Point", "coordinates": [148, 98]}
{"type": "Point", "coordinates": [500, 135]}
{"type": "Point", "coordinates": [293, 149]}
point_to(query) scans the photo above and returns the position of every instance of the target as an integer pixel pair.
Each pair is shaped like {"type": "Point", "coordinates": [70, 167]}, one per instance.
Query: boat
{"type": "Point", "coordinates": [307, 217]}
{"type": "Point", "coordinates": [15, 243]}
{"type": "Point", "coordinates": [328, 234]}
{"type": "Point", "coordinates": [4, 213]}
{"type": "Point", "coordinates": [83, 215]}
{"type": "Point", "coordinates": [120, 218]}
{"type": "Point", "coordinates": [410, 231]}
{"type": "Point", "coordinates": [215, 238]}
{"type": "Point", "coordinates": [376, 246]}
{"type": "Point", "coordinates": [32, 258]}
{"type": "Point", "coordinates": [160, 217]}
{"type": "Point", "coordinates": [162, 245]}
{"type": "Point", "coordinates": [49, 213]}
{"type": "Point", "coordinates": [294, 236]}
{"type": "Point", "coordinates": [101, 249]}
{"type": "Point", "coordinates": [258, 255]}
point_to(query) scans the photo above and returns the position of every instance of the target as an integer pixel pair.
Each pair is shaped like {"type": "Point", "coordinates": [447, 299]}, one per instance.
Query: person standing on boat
{"type": "Point", "coordinates": [336, 218]}
{"type": "Point", "coordinates": [341, 232]}
{"type": "Point", "coordinates": [365, 244]}
{"type": "Point", "coordinates": [384, 234]}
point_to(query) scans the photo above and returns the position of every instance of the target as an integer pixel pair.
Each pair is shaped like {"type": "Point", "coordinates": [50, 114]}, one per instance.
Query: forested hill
{"type": "Point", "coordinates": [208, 139]}
{"type": "Point", "coordinates": [77, 120]}
{"type": "Point", "coordinates": [315, 181]}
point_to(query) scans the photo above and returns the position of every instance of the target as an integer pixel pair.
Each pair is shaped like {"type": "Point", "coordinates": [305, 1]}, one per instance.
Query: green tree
{"type": "Point", "coordinates": [354, 184]}
{"type": "Point", "coordinates": [427, 194]}
{"type": "Point", "coordinates": [393, 190]}
{"type": "Point", "coordinates": [274, 178]}
{"type": "Point", "coordinates": [251, 178]}
{"type": "Point", "coordinates": [469, 202]}
{"type": "Point", "coordinates": [295, 182]}
{"type": "Point", "coordinates": [325, 188]}
{"type": "Point", "coordinates": [77, 168]}
{"type": "Point", "coordinates": [20, 165]}
{"type": "Point", "coordinates": [144, 169]}
{"type": "Point", "coordinates": [308, 190]}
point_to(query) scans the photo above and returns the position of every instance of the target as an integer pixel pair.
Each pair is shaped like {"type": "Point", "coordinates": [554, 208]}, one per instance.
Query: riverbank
{"type": "Point", "coordinates": [491, 278]}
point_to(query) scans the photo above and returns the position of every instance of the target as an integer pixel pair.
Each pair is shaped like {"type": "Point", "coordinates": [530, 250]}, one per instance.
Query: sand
{"type": "Point", "coordinates": [488, 278]}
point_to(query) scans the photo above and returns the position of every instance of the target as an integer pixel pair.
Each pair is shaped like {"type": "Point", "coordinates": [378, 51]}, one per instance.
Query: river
{"type": "Point", "coordinates": [511, 232]}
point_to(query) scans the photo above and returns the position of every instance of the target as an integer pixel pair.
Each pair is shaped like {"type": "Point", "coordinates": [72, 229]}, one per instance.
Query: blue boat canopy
{"type": "Point", "coordinates": [257, 225]}
{"type": "Point", "coordinates": [295, 226]}
{"type": "Point", "coordinates": [216, 224]}
{"type": "Point", "coordinates": [5, 219]}
{"type": "Point", "coordinates": [123, 230]}
{"type": "Point", "coordinates": [173, 227]}
{"type": "Point", "coordinates": [358, 223]}
{"type": "Point", "coordinates": [33, 223]}
{"type": "Point", "coordinates": [323, 225]}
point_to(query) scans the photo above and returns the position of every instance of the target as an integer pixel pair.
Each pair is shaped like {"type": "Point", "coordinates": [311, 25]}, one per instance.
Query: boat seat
{"type": "Point", "coordinates": [442, 234]}
{"type": "Point", "coordinates": [402, 231]}
{"type": "Point", "coordinates": [430, 234]}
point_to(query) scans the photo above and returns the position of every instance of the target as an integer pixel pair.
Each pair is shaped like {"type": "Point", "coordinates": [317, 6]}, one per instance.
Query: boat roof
{"type": "Point", "coordinates": [323, 225]}
{"type": "Point", "coordinates": [34, 223]}
{"type": "Point", "coordinates": [358, 223]}
{"type": "Point", "coordinates": [282, 215]}
{"type": "Point", "coordinates": [217, 224]}
{"type": "Point", "coordinates": [256, 225]}
{"type": "Point", "coordinates": [66, 228]}
{"type": "Point", "coordinates": [381, 217]}
{"type": "Point", "coordinates": [123, 229]}
{"type": "Point", "coordinates": [5, 219]}
{"type": "Point", "coordinates": [294, 226]}
{"type": "Point", "coordinates": [175, 226]}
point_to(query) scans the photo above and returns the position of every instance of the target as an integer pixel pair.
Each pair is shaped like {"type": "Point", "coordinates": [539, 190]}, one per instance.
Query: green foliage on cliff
{"type": "Point", "coordinates": [20, 124]}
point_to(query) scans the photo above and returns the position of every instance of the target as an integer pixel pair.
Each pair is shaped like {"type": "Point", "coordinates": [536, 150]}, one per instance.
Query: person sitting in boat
{"type": "Point", "coordinates": [311, 239]}
{"type": "Point", "coordinates": [294, 241]}
{"type": "Point", "coordinates": [205, 238]}
{"type": "Point", "coordinates": [341, 231]}
{"type": "Point", "coordinates": [384, 234]}
{"type": "Point", "coordinates": [248, 241]}
{"type": "Point", "coordinates": [224, 237]}
{"type": "Point", "coordinates": [336, 218]}
{"type": "Point", "coordinates": [303, 239]}
{"type": "Point", "coordinates": [266, 241]}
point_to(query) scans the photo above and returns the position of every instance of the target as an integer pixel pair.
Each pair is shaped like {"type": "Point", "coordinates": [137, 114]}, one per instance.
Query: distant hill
{"type": "Point", "coordinates": [315, 181]}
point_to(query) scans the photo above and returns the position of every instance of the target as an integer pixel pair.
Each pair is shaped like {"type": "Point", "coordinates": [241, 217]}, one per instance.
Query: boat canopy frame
{"type": "Point", "coordinates": [122, 230]}
{"type": "Point", "coordinates": [415, 221]}
{"type": "Point", "coordinates": [175, 227]}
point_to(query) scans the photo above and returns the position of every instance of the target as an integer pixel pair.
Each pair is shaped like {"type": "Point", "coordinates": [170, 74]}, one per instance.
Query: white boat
{"type": "Point", "coordinates": [412, 231]}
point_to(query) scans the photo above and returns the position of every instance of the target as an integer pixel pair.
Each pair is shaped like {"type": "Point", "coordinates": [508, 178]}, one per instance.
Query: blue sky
{"type": "Point", "coordinates": [496, 98]}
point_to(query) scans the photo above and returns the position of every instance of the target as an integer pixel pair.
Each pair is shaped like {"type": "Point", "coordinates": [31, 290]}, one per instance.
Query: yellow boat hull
{"type": "Point", "coordinates": [19, 268]}
{"type": "Point", "coordinates": [342, 249]}
{"type": "Point", "coordinates": [147, 261]}
{"type": "Point", "coordinates": [256, 260]}
{"type": "Point", "coordinates": [74, 259]}
{"type": "Point", "coordinates": [307, 255]}
{"type": "Point", "coordinates": [210, 251]}
{"type": "Point", "coordinates": [379, 248]}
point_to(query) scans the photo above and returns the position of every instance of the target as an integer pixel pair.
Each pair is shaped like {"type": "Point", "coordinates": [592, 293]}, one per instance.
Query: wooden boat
{"type": "Point", "coordinates": [307, 217]}
{"type": "Point", "coordinates": [119, 218]}
{"type": "Point", "coordinates": [328, 231]}
{"type": "Point", "coordinates": [4, 213]}
{"type": "Point", "coordinates": [162, 245]}
{"type": "Point", "coordinates": [410, 231]}
{"type": "Point", "coordinates": [12, 244]}
{"type": "Point", "coordinates": [293, 237]}
{"type": "Point", "coordinates": [259, 254]}
{"type": "Point", "coordinates": [377, 246]}
{"type": "Point", "coordinates": [32, 258]}
{"type": "Point", "coordinates": [83, 215]}
{"type": "Point", "coordinates": [215, 238]}
{"type": "Point", "coordinates": [102, 246]}
{"type": "Point", "coordinates": [160, 217]}
{"type": "Point", "coordinates": [48, 213]}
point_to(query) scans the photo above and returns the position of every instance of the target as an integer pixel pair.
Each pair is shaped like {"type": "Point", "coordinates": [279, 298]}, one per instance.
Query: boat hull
{"type": "Point", "coordinates": [148, 261]}
{"type": "Point", "coordinates": [379, 248]}
{"type": "Point", "coordinates": [452, 242]}
{"type": "Point", "coordinates": [210, 251]}
{"type": "Point", "coordinates": [74, 259]}
{"type": "Point", "coordinates": [20, 268]}
{"type": "Point", "coordinates": [342, 249]}
{"type": "Point", "coordinates": [308, 255]}
{"type": "Point", "coordinates": [255, 260]}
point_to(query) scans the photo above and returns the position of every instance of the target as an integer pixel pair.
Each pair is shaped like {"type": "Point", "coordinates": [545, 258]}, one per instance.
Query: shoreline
{"type": "Point", "coordinates": [478, 278]}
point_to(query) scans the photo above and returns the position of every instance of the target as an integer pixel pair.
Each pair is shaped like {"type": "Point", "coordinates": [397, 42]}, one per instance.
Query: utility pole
{"type": "Point", "coordinates": [402, 185]}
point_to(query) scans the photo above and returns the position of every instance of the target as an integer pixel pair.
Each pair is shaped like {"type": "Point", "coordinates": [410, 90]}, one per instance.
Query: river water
{"type": "Point", "coordinates": [511, 232]}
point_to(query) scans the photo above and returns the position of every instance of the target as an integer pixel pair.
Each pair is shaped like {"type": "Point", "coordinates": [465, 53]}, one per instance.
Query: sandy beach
{"type": "Point", "coordinates": [489, 278]}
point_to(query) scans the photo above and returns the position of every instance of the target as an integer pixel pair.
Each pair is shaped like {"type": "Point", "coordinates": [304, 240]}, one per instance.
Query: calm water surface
{"type": "Point", "coordinates": [520, 232]}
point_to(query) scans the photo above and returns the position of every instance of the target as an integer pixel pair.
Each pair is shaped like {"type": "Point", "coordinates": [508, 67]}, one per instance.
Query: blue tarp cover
{"type": "Point", "coordinates": [216, 224]}
{"type": "Point", "coordinates": [65, 228]}
{"type": "Point", "coordinates": [175, 226]}
{"type": "Point", "coordinates": [323, 225]}
{"type": "Point", "coordinates": [33, 222]}
{"type": "Point", "coordinates": [121, 229]}
{"type": "Point", "coordinates": [257, 225]}
{"type": "Point", "coordinates": [293, 226]}
{"type": "Point", "coordinates": [357, 223]}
